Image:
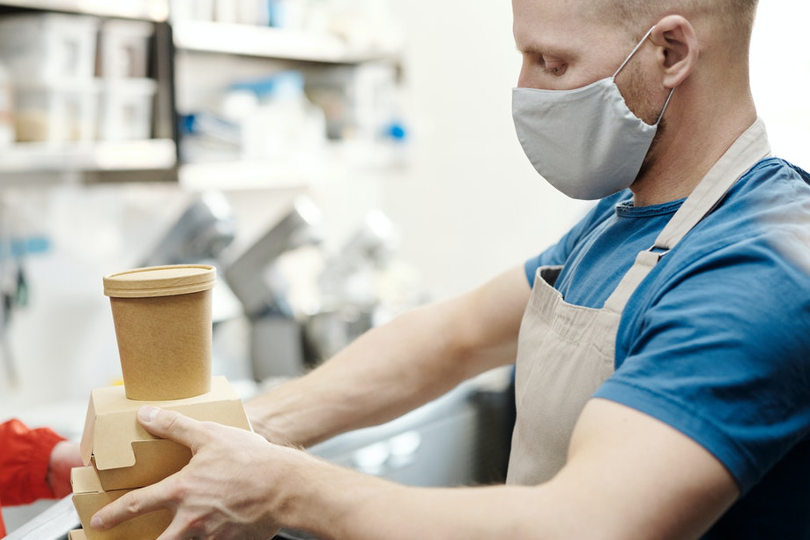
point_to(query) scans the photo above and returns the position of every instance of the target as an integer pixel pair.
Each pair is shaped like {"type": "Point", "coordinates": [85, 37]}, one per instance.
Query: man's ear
{"type": "Point", "coordinates": [678, 49]}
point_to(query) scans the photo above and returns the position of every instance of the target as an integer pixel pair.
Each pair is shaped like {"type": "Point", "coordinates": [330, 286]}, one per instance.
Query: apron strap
{"type": "Point", "coordinates": [750, 148]}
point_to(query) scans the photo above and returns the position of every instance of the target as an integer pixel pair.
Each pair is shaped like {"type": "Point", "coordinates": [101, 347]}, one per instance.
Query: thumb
{"type": "Point", "coordinates": [172, 425]}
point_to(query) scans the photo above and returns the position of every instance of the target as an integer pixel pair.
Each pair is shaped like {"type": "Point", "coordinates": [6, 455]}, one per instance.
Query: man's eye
{"type": "Point", "coordinates": [552, 66]}
{"type": "Point", "coordinates": [555, 68]}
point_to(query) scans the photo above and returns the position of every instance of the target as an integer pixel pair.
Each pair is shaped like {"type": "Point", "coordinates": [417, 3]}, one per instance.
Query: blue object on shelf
{"type": "Point", "coordinates": [283, 84]}
{"type": "Point", "coordinates": [397, 132]}
{"type": "Point", "coordinates": [278, 13]}
{"type": "Point", "coordinates": [19, 247]}
{"type": "Point", "coordinates": [187, 123]}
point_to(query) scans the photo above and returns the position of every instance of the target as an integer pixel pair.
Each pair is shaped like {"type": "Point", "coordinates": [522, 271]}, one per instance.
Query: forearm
{"type": "Point", "coordinates": [383, 374]}
{"type": "Point", "coordinates": [604, 491]}
{"type": "Point", "coordinates": [395, 368]}
{"type": "Point", "coordinates": [331, 502]}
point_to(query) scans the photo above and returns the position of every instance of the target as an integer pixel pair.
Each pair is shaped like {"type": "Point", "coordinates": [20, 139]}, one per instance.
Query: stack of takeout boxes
{"type": "Point", "coordinates": [162, 319]}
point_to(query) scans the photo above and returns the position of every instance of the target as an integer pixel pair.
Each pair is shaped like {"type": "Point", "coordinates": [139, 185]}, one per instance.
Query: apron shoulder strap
{"type": "Point", "coordinates": [750, 148]}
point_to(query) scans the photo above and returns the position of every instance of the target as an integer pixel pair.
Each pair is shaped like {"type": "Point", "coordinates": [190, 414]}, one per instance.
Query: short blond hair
{"type": "Point", "coordinates": [734, 17]}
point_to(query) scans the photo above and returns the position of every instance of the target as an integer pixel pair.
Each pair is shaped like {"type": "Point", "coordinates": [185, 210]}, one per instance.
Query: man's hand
{"type": "Point", "coordinates": [64, 456]}
{"type": "Point", "coordinates": [230, 489]}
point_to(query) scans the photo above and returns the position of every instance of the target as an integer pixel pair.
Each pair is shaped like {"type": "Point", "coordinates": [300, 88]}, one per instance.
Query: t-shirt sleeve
{"type": "Point", "coordinates": [557, 254]}
{"type": "Point", "coordinates": [723, 356]}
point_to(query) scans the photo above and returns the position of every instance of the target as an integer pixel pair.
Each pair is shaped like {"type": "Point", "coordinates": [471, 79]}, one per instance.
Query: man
{"type": "Point", "coordinates": [34, 464]}
{"type": "Point", "coordinates": [702, 428]}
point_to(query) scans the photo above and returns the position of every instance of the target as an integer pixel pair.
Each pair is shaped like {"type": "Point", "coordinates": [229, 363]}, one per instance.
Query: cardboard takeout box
{"type": "Point", "coordinates": [162, 319]}
{"type": "Point", "coordinates": [89, 498]}
{"type": "Point", "coordinates": [126, 455]}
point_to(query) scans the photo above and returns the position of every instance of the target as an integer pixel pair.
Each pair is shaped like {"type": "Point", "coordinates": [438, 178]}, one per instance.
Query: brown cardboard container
{"type": "Point", "coordinates": [125, 455]}
{"type": "Point", "coordinates": [77, 534]}
{"type": "Point", "coordinates": [162, 319]}
{"type": "Point", "coordinates": [89, 498]}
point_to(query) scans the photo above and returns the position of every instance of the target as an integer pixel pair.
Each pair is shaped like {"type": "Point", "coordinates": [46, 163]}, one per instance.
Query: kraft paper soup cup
{"type": "Point", "coordinates": [162, 319]}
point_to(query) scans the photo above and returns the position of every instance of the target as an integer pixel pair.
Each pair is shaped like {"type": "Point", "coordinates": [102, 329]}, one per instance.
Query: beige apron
{"type": "Point", "coordinates": [566, 352]}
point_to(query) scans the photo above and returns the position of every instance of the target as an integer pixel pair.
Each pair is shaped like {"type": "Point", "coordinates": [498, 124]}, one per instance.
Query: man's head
{"type": "Point", "coordinates": [571, 43]}
{"type": "Point", "coordinates": [699, 48]}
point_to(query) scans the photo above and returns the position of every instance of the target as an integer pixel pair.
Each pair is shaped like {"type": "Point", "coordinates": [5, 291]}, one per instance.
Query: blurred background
{"type": "Point", "coordinates": [339, 161]}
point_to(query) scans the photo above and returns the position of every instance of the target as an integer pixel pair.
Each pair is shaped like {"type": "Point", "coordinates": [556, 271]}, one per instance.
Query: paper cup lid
{"type": "Point", "coordinates": [160, 281]}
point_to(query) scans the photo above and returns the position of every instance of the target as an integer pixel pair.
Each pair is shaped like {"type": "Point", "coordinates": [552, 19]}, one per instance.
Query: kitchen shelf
{"type": "Point", "coordinates": [267, 42]}
{"type": "Point", "coordinates": [336, 159]}
{"type": "Point", "coordinates": [152, 154]}
{"type": "Point", "coordinates": [149, 10]}
{"type": "Point", "coordinates": [242, 175]}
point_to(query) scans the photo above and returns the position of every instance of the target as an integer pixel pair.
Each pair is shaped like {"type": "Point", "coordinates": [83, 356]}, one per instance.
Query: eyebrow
{"type": "Point", "coordinates": [540, 49]}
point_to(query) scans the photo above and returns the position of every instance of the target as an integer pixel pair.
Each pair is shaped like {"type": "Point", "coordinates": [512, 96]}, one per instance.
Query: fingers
{"type": "Point", "coordinates": [133, 504]}
{"type": "Point", "coordinates": [172, 425]}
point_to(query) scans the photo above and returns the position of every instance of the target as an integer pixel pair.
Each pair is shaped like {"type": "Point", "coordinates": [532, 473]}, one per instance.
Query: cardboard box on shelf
{"type": "Point", "coordinates": [89, 498]}
{"type": "Point", "coordinates": [126, 455]}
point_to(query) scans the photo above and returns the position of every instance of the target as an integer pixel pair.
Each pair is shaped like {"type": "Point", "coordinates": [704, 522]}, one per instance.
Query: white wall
{"type": "Point", "coordinates": [780, 76]}
{"type": "Point", "coordinates": [472, 204]}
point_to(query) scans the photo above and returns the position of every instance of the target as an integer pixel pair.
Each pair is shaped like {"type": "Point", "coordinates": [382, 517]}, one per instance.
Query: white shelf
{"type": "Point", "coordinates": [150, 10]}
{"type": "Point", "coordinates": [337, 160]}
{"type": "Point", "coordinates": [154, 154]}
{"type": "Point", "coordinates": [267, 42]}
{"type": "Point", "coordinates": [242, 175]}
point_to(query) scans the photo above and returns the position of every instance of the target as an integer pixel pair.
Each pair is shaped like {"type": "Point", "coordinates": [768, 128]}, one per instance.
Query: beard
{"type": "Point", "coordinates": [646, 105]}
{"type": "Point", "coordinates": [652, 153]}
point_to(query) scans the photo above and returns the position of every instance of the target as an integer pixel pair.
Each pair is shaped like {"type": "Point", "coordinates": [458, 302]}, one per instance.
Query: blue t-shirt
{"type": "Point", "coordinates": [716, 341]}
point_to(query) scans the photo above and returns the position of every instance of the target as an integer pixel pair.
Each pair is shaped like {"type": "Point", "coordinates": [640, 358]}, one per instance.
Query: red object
{"type": "Point", "coordinates": [24, 459]}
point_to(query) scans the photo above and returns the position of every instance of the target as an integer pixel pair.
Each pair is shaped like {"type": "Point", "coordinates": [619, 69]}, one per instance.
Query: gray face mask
{"type": "Point", "coordinates": [585, 142]}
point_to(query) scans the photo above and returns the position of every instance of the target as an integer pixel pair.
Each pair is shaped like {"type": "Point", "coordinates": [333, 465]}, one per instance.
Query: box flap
{"type": "Point", "coordinates": [112, 426]}
{"type": "Point", "coordinates": [86, 445]}
{"type": "Point", "coordinates": [155, 459]}
{"type": "Point", "coordinates": [78, 534]}
{"type": "Point", "coordinates": [84, 480]}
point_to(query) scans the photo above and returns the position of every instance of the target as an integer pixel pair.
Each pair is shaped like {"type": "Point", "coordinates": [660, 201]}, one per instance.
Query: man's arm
{"type": "Point", "coordinates": [397, 367]}
{"type": "Point", "coordinates": [628, 476]}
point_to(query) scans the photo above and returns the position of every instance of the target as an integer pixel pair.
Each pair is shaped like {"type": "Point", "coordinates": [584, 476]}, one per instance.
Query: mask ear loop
{"type": "Point", "coordinates": [666, 104]}
{"type": "Point", "coordinates": [633, 52]}
{"type": "Point", "coordinates": [630, 57]}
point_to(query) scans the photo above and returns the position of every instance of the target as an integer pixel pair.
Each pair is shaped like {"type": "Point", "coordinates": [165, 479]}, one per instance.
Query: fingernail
{"type": "Point", "coordinates": [96, 522]}
{"type": "Point", "coordinates": [147, 414]}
